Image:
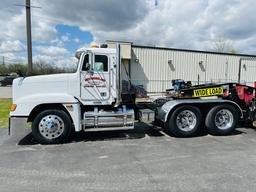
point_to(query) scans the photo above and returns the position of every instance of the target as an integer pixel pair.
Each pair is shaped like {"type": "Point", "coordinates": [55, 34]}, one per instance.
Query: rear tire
{"type": "Point", "coordinates": [52, 127]}
{"type": "Point", "coordinates": [185, 121]}
{"type": "Point", "coordinates": [221, 120]}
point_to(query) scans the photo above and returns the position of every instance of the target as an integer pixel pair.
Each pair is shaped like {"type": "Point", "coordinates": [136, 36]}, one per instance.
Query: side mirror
{"type": "Point", "coordinates": [91, 71]}
{"type": "Point", "coordinates": [87, 67]}
{"type": "Point", "coordinates": [90, 64]}
{"type": "Point", "coordinates": [87, 64]}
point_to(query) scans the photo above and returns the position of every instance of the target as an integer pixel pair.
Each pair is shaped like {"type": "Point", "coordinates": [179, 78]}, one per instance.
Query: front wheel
{"type": "Point", "coordinates": [185, 121]}
{"type": "Point", "coordinates": [221, 120]}
{"type": "Point", "coordinates": [51, 127]}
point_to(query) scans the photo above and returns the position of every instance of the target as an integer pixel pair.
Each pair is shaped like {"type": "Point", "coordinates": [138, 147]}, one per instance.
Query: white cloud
{"type": "Point", "coordinates": [59, 61]}
{"type": "Point", "coordinates": [69, 62]}
{"type": "Point", "coordinates": [108, 15]}
{"type": "Point", "coordinates": [12, 51]}
{"type": "Point", "coordinates": [52, 50]}
{"type": "Point", "coordinates": [191, 24]}
{"type": "Point", "coordinates": [11, 46]}
{"type": "Point", "coordinates": [57, 42]}
{"type": "Point", "coordinates": [53, 55]}
{"type": "Point", "coordinates": [43, 30]}
{"type": "Point", "coordinates": [14, 26]}
{"type": "Point", "coordinates": [65, 38]}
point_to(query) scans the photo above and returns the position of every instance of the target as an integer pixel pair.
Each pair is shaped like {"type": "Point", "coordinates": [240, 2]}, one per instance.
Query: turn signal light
{"type": "Point", "coordinates": [13, 107]}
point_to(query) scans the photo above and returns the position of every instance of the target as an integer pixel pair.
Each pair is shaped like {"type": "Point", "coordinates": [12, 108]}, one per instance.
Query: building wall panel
{"type": "Point", "coordinates": [150, 68]}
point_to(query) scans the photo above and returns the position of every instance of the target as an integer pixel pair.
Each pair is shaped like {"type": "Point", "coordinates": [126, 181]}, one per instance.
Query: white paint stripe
{"type": "Point", "coordinates": [147, 136]}
{"type": "Point", "coordinates": [162, 132]}
{"type": "Point", "coordinates": [103, 157]}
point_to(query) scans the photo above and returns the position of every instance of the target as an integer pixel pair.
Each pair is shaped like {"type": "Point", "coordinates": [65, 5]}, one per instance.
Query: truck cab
{"type": "Point", "coordinates": [98, 68]}
{"type": "Point", "coordinates": [89, 99]}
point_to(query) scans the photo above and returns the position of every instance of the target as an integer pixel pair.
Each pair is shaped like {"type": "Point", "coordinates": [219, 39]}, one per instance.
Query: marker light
{"type": "Point", "coordinates": [94, 46]}
{"type": "Point", "coordinates": [13, 107]}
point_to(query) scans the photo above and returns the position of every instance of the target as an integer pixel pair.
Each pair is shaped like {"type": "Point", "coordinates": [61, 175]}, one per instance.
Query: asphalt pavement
{"type": "Point", "coordinates": [144, 159]}
{"type": "Point", "coordinates": [6, 92]}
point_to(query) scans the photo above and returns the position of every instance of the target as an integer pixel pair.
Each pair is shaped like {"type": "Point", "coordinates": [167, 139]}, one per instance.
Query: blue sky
{"type": "Point", "coordinates": [77, 38]}
{"type": "Point", "coordinates": [71, 38]}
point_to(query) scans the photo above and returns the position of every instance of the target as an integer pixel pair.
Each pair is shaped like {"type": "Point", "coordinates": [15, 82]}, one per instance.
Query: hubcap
{"type": "Point", "coordinates": [186, 120]}
{"type": "Point", "coordinates": [51, 126]}
{"type": "Point", "coordinates": [224, 119]}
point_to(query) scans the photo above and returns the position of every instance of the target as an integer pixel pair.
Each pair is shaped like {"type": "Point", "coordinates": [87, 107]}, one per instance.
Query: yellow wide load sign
{"type": "Point", "coordinates": [208, 92]}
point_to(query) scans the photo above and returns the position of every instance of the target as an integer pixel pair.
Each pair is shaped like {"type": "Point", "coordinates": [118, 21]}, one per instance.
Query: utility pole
{"type": "Point", "coordinates": [3, 60]}
{"type": "Point", "coordinates": [29, 38]}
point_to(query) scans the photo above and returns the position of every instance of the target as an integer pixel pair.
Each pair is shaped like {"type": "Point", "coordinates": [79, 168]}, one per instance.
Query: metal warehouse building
{"type": "Point", "coordinates": [155, 67]}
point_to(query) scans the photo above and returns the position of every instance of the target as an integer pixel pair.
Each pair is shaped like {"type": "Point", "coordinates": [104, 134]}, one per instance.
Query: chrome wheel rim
{"type": "Point", "coordinates": [51, 126]}
{"type": "Point", "coordinates": [186, 120]}
{"type": "Point", "coordinates": [224, 119]}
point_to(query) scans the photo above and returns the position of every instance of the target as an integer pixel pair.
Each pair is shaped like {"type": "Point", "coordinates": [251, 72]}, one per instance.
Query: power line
{"type": "Point", "coordinates": [31, 6]}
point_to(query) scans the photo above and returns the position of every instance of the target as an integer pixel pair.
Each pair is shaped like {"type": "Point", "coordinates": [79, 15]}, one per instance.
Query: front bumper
{"type": "Point", "coordinates": [18, 129]}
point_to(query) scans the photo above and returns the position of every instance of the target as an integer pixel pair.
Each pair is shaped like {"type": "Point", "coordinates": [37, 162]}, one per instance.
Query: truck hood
{"type": "Point", "coordinates": [42, 84]}
{"type": "Point", "coordinates": [43, 79]}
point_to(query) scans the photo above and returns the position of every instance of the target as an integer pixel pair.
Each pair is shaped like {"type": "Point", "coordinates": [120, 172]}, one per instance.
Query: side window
{"type": "Point", "coordinates": [86, 63]}
{"type": "Point", "coordinates": [101, 63]}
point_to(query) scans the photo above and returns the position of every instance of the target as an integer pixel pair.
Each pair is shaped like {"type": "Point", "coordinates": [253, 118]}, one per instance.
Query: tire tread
{"type": "Point", "coordinates": [63, 138]}
{"type": "Point", "coordinates": [209, 120]}
{"type": "Point", "coordinates": [175, 131]}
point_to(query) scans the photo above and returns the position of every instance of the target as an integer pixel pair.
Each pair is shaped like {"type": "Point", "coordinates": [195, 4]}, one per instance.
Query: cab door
{"type": "Point", "coordinates": [95, 79]}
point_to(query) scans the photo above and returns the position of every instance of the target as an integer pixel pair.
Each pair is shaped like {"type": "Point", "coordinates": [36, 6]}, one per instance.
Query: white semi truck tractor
{"type": "Point", "coordinates": [92, 99]}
